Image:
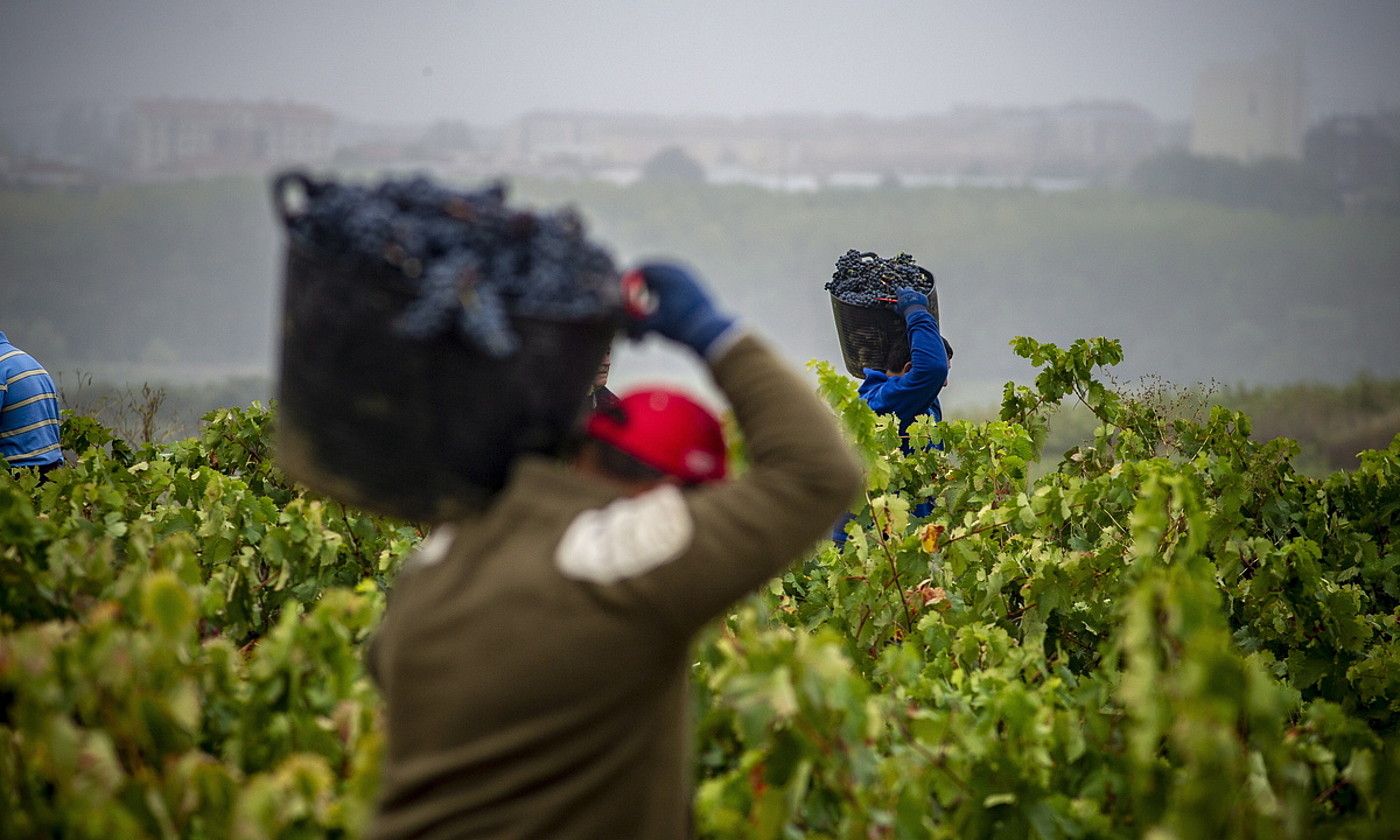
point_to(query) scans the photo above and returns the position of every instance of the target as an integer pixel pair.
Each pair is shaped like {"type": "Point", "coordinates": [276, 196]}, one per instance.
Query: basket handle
{"type": "Point", "coordinates": [290, 194]}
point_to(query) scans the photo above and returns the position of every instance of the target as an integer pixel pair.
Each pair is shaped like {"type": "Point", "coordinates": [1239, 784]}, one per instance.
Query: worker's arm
{"type": "Point", "coordinates": [802, 475]}
{"type": "Point", "coordinates": [928, 357]}
{"type": "Point", "coordinates": [912, 393]}
{"type": "Point", "coordinates": [692, 553]}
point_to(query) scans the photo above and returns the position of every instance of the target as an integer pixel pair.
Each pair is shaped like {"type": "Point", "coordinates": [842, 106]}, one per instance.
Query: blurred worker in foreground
{"type": "Point", "coordinates": [28, 412]}
{"type": "Point", "coordinates": [534, 658]}
{"type": "Point", "coordinates": [915, 374]}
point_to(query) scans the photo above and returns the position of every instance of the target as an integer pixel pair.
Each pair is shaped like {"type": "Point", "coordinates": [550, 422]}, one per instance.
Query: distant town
{"type": "Point", "coordinates": [1244, 112]}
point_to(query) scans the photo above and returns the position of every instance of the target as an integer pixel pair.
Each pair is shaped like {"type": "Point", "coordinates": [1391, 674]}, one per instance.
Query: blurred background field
{"type": "Point", "coordinates": [186, 274]}
{"type": "Point", "coordinates": [1331, 423]}
{"type": "Point", "coordinates": [176, 285]}
{"type": "Point", "coordinates": [1215, 184]}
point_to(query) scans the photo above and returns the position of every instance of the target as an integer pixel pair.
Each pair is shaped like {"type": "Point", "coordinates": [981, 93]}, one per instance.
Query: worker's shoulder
{"type": "Point", "coordinates": [14, 362]}
{"type": "Point", "coordinates": [11, 356]}
{"type": "Point", "coordinates": [627, 537]}
{"type": "Point", "coordinates": [542, 498]}
{"type": "Point", "coordinates": [874, 382]}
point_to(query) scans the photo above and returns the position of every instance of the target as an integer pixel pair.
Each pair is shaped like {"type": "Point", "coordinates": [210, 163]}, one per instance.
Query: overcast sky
{"type": "Point", "coordinates": [486, 61]}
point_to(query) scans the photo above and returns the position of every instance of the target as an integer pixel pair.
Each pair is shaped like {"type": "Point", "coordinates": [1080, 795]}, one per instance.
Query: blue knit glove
{"type": "Point", "coordinates": [906, 299]}
{"type": "Point", "coordinates": [684, 312]}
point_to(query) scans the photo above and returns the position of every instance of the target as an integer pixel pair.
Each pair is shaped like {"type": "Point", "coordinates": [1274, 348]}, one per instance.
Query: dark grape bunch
{"type": "Point", "coordinates": [473, 260]}
{"type": "Point", "coordinates": [864, 279]}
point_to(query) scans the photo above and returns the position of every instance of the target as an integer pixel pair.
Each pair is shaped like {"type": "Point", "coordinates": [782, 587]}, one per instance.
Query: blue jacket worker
{"type": "Point", "coordinates": [914, 375]}
{"type": "Point", "coordinates": [28, 411]}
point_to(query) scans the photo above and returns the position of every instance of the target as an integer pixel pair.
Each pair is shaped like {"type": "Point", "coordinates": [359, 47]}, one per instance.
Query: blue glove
{"type": "Point", "coordinates": [684, 312]}
{"type": "Point", "coordinates": [906, 299]}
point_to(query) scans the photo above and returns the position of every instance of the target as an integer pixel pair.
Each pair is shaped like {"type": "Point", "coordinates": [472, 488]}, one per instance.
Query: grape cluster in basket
{"type": "Point", "coordinates": [864, 279]}
{"type": "Point", "coordinates": [471, 260]}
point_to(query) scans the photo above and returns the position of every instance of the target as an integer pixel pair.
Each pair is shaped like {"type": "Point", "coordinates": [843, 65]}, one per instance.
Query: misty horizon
{"type": "Point", "coordinates": [147, 239]}
{"type": "Point", "coordinates": [490, 63]}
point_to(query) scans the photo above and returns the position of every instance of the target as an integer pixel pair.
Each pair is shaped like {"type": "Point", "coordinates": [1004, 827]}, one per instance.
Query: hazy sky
{"type": "Point", "coordinates": [486, 61]}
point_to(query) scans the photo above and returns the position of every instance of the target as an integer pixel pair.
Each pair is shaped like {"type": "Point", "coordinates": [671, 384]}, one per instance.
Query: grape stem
{"type": "Point", "coordinates": [894, 569]}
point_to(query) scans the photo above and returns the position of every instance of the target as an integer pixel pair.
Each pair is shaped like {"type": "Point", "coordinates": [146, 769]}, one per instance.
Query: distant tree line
{"type": "Point", "coordinates": [1349, 163]}
{"type": "Point", "coordinates": [1274, 184]}
{"type": "Point", "coordinates": [673, 164]}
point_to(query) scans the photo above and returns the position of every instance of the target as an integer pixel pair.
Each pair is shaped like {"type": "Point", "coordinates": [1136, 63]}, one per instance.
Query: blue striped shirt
{"type": "Point", "coordinates": [28, 410]}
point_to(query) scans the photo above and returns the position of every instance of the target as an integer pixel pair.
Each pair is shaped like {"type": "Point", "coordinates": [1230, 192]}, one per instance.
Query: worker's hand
{"type": "Point", "coordinates": [906, 299]}
{"type": "Point", "coordinates": [683, 311]}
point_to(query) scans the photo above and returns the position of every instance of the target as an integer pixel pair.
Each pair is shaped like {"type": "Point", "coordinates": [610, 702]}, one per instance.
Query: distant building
{"type": "Point", "coordinates": [1007, 144]}
{"type": "Point", "coordinates": [81, 133]}
{"type": "Point", "coordinates": [1251, 110]}
{"type": "Point", "coordinates": [1359, 156]}
{"type": "Point", "coordinates": [198, 137]}
{"type": "Point", "coordinates": [1100, 136]}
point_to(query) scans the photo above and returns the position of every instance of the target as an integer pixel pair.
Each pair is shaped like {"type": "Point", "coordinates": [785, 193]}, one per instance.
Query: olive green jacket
{"type": "Point", "coordinates": [534, 658]}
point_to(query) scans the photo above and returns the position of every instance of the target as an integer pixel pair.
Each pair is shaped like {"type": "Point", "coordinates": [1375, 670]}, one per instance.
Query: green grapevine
{"type": "Point", "coordinates": [1166, 631]}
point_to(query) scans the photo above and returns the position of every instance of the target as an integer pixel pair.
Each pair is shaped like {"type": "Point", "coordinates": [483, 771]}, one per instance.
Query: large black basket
{"type": "Point", "coordinates": [867, 333]}
{"type": "Point", "coordinates": [423, 430]}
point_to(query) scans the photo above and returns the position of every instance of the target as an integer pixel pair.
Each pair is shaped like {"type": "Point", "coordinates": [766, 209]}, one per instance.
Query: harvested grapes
{"type": "Point", "coordinates": [471, 260]}
{"type": "Point", "coordinates": [865, 279]}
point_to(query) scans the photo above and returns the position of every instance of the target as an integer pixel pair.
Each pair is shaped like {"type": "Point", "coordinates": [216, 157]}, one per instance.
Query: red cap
{"type": "Point", "coordinates": [667, 430]}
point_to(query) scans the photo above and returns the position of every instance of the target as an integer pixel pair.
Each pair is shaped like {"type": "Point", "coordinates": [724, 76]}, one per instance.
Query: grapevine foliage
{"type": "Point", "coordinates": [471, 260]}
{"type": "Point", "coordinates": [864, 279]}
{"type": "Point", "coordinates": [179, 642]}
{"type": "Point", "coordinates": [1170, 633]}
